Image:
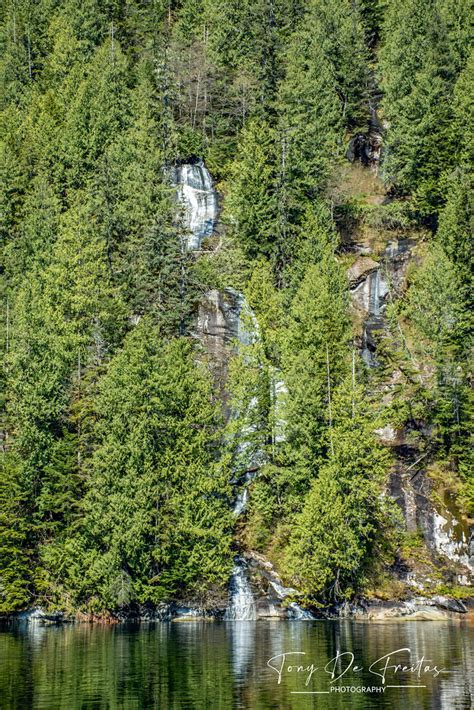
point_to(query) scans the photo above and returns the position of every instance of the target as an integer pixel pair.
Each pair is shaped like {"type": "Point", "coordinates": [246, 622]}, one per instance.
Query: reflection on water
{"type": "Point", "coordinates": [224, 665]}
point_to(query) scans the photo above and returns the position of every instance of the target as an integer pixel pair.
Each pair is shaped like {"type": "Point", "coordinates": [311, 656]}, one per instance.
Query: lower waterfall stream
{"type": "Point", "coordinates": [241, 600]}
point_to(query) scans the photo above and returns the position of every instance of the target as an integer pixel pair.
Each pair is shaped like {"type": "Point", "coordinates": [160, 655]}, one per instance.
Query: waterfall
{"type": "Point", "coordinates": [227, 324]}
{"type": "Point", "coordinates": [241, 604]}
{"type": "Point", "coordinates": [378, 289]}
{"type": "Point", "coordinates": [295, 611]}
{"type": "Point", "coordinates": [241, 601]}
{"type": "Point", "coordinates": [450, 539]}
{"type": "Point", "coordinates": [279, 393]}
{"type": "Point", "coordinates": [248, 456]}
{"type": "Point", "coordinates": [280, 590]}
{"type": "Point", "coordinates": [241, 499]}
{"type": "Point", "coordinates": [198, 197]}
{"type": "Point", "coordinates": [372, 325]}
{"type": "Point", "coordinates": [247, 326]}
{"type": "Point", "coordinates": [374, 293]}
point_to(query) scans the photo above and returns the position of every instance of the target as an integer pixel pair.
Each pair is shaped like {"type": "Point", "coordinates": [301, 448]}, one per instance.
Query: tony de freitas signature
{"type": "Point", "coordinates": [343, 662]}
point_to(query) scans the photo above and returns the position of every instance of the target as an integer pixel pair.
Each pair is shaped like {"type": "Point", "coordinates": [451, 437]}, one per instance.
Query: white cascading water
{"type": "Point", "coordinates": [371, 292]}
{"type": "Point", "coordinates": [374, 297]}
{"type": "Point", "coordinates": [447, 543]}
{"type": "Point", "coordinates": [241, 600]}
{"type": "Point", "coordinates": [242, 499]}
{"type": "Point", "coordinates": [242, 604]}
{"type": "Point", "coordinates": [295, 611]}
{"type": "Point", "coordinates": [279, 393]}
{"type": "Point", "coordinates": [248, 456]}
{"type": "Point", "coordinates": [199, 199]}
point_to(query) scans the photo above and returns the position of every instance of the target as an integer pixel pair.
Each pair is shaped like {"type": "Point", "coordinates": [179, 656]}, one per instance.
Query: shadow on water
{"type": "Point", "coordinates": [224, 665]}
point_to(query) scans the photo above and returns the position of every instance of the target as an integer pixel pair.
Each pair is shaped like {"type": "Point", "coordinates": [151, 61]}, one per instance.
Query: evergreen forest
{"type": "Point", "coordinates": [339, 137]}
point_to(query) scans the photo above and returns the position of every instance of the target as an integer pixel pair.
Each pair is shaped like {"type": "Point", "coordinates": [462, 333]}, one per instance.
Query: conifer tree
{"type": "Point", "coordinates": [252, 199]}
{"type": "Point", "coordinates": [338, 29]}
{"type": "Point", "coordinates": [456, 229]}
{"type": "Point", "coordinates": [314, 362]}
{"type": "Point", "coordinates": [437, 306]}
{"type": "Point", "coordinates": [419, 67]}
{"type": "Point", "coordinates": [156, 513]}
{"type": "Point", "coordinates": [97, 112]}
{"type": "Point", "coordinates": [16, 571]}
{"type": "Point", "coordinates": [61, 315]}
{"type": "Point", "coordinates": [310, 125]}
{"type": "Point", "coordinates": [345, 521]}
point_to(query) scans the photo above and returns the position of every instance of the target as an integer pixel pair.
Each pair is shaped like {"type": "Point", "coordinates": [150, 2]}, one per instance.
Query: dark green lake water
{"type": "Point", "coordinates": [190, 665]}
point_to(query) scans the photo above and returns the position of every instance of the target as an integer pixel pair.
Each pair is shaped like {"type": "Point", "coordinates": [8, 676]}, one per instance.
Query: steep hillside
{"type": "Point", "coordinates": [237, 305]}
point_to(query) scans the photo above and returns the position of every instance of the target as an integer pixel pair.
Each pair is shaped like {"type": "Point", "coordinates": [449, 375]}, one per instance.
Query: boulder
{"type": "Point", "coordinates": [360, 270]}
{"type": "Point", "coordinates": [415, 609]}
{"type": "Point", "coordinates": [450, 604]}
{"type": "Point", "coordinates": [40, 616]}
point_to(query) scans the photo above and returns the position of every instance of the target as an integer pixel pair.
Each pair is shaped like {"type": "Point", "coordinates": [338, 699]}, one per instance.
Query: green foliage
{"type": "Point", "coordinates": [64, 320]}
{"type": "Point", "coordinates": [267, 304]}
{"type": "Point", "coordinates": [308, 359]}
{"type": "Point", "coordinates": [419, 65]}
{"type": "Point", "coordinates": [463, 108]}
{"type": "Point", "coordinates": [345, 521]}
{"type": "Point", "coordinates": [315, 357]}
{"type": "Point", "coordinates": [156, 517]}
{"type": "Point", "coordinates": [310, 124]}
{"type": "Point", "coordinates": [252, 197]}
{"type": "Point", "coordinates": [248, 37]}
{"type": "Point", "coordinates": [337, 27]}
{"type": "Point", "coordinates": [456, 228]}
{"type": "Point", "coordinates": [434, 300]}
{"type": "Point", "coordinates": [118, 470]}
{"type": "Point", "coordinates": [284, 162]}
{"type": "Point", "coordinates": [437, 303]}
{"type": "Point", "coordinates": [371, 13]}
{"type": "Point", "coordinates": [15, 560]}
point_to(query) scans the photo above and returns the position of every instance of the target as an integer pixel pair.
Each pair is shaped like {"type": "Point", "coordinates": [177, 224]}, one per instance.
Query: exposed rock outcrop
{"type": "Point", "coordinates": [416, 609]}
{"type": "Point", "coordinates": [360, 270]}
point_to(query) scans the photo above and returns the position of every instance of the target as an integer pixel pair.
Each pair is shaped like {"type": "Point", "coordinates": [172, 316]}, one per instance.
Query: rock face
{"type": "Point", "coordinates": [368, 290]}
{"type": "Point", "coordinates": [198, 197]}
{"type": "Point", "coordinates": [368, 286]}
{"type": "Point", "coordinates": [416, 609]}
{"type": "Point", "coordinates": [272, 594]}
{"type": "Point", "coordinates": [367, 147]}
{"type": "Point", "coordinates": [224, 320]}
{"type": "Point", "coordinates": [451, 537]}
{"type": "Point", "coordinates": [360, 270]}
{"type": "Point", "coordinates": [372, 284]}
{"type": "Point", "coordinates": [219, 322]}
{"type": "Point", "coordinates": [445, 532]}
{"type": "Point", "coordinates": [40, 616]}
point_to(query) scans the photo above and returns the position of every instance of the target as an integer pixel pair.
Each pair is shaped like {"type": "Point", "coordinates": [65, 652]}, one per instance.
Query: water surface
{"type": "Point", "coordinates": [186, 665]}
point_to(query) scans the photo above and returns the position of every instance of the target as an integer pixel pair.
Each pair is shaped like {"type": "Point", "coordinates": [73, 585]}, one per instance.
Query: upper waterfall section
{"type": "Point", "coordinates": [198, 197]}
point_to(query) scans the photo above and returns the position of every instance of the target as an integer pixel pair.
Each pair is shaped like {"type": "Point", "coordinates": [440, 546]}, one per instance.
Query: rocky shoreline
{"type": "Point", "coordinates": [437, 608]}
{"type": "Point", "coordinates": [269, 600]}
